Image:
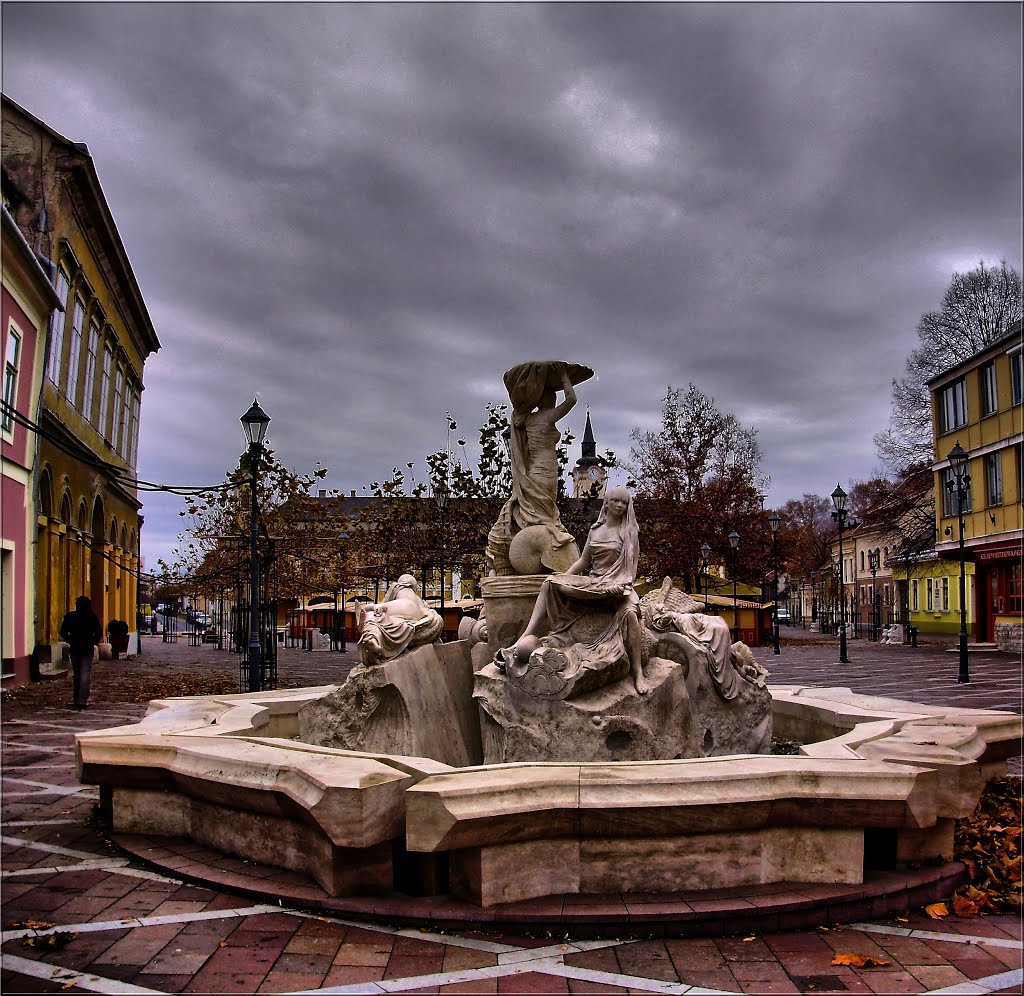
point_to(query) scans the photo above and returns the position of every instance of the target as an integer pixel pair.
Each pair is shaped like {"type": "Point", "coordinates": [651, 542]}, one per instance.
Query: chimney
{"type": "Point", "coordinates": [353, 494]}
{"type": "Point", "coordinates": [321, 493]}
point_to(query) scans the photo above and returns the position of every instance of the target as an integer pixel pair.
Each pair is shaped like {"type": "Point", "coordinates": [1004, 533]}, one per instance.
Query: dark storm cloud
{"type": "Point", "coordinates": [368, 212]}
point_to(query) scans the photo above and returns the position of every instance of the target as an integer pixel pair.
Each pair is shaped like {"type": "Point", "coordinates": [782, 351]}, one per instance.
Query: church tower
{"type": "Point", "coordinates": [588, 471]}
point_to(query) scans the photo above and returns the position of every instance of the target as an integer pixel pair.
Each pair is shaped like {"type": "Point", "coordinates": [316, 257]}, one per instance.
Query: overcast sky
{"type": "Point", "coordinates": [366, 213]}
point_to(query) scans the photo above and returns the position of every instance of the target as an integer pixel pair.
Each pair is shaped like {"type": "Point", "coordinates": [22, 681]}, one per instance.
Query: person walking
{"type": "Point", "coordinates": [82, 630]}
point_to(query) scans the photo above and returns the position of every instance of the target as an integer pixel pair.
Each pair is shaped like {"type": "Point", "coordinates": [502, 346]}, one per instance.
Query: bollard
{"type": "Point", "coordinates": [913, 636]}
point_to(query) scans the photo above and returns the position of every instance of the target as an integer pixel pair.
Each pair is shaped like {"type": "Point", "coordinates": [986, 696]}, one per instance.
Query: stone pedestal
{"type": "Point", "coordinates": [610, 724]}
{"type": "Point", "coordinates": [508, 603]}
{"type": "Point", "coordinates": [419, 705]}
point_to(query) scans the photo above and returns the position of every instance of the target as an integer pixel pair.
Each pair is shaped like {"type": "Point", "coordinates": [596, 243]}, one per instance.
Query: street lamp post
{"type": "Point", "coordinates": [839, 498]}
{"type": "Point", "coordinates": [254, 422]}
{"type": "Point", "coordinates": [959, 488]}
{"type": "Point", "coordinates": [873, 556]}
{"type": "Point", "coordinates": [705, 553]}
{"type": "Point", "coordinates": [773, 521]}
{"type": "Point", "coordinates": [734, 542]}
{"type": "Point", "coordinates": [442, 506]}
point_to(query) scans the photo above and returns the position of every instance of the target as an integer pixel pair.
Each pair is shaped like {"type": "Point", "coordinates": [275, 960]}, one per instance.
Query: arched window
{"type": "Point", "coordinates": [124, 536]}
{"type": "Point", "coordinates": [65, 508]}
{"type": "Point", "coordinates": [113, 532]}
{"type": "Point", "coordinates": [45, 494]}
{"type": "Point", "coordinates": [83, 516]}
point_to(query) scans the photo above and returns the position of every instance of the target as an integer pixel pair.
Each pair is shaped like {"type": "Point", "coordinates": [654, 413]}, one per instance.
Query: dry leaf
{"type": "Point", "coordinates": [48, 942]}
{"type": "Point", "coordinates": [751, 938]}
{"type": "Point", "coordinates": [937, 910]}
{"type": "Point", "coordinates": [963, 906]}
{"type": "Point", "coordinates": [31, 924]}
{"type": "Point", "coordinates": [859, 961]}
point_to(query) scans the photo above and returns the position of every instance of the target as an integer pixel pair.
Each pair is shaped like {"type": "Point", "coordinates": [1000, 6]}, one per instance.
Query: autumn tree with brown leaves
{"type": "Point", "coordinates": [696, 481]}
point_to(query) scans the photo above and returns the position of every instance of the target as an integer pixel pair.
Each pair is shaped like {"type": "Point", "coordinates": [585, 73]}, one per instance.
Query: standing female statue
{"type": "Point", "coordinates": [531, 512]}
{"type": "Point", "coordinates": [598, 586]}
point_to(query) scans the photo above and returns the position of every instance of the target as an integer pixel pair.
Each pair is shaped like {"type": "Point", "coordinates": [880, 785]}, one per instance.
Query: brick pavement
{"type": "Point", "coordinates": [129, 929]}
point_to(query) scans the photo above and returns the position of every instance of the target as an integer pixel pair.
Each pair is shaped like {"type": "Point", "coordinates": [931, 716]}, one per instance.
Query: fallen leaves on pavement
{"type": "Point", "coordinates": [859, 961]}
{"type": "Point", "coordinates": [988, 843]}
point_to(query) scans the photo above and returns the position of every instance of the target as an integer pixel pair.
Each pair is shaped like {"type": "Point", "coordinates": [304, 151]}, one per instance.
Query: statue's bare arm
{"type": "Point", "coordinates": [568, 402]}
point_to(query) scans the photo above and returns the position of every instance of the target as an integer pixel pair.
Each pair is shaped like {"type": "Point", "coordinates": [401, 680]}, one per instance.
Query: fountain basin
{"type": "Point", "coordinates": [879, 783]}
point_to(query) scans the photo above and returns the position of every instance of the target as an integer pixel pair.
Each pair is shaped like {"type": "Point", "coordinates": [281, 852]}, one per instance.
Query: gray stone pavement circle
{"type": "Point", "coordinates": [128, 924]}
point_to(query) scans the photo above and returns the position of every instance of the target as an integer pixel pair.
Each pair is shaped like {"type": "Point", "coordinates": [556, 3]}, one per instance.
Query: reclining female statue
{"type": "Point", "coordinates": [401, 622]}
{"type": "Point", "coordinates": [592, 613]}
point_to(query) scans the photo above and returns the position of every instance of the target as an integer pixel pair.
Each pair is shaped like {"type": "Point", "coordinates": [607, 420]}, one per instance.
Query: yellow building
{"type": "Point", "coordinates": [977, 404]}
{"type": "Point", "coordinates": [86, 501]}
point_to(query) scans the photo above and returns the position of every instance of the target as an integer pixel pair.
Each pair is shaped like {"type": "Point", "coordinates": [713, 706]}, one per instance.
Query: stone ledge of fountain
{"type": "Point", "coordinates": [219, 770]}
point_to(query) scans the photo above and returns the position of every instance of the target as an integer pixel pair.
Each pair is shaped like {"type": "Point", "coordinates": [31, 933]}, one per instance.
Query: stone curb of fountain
{"type": "Point", "coordinates": [703, 913]}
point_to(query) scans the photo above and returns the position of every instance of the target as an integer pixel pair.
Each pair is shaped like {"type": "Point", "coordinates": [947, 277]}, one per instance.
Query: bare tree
{"type": "Point", "coordinates": [978, 308]}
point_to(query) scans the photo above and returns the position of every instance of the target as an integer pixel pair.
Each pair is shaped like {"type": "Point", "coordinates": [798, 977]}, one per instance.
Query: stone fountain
{"type": "Point", "coordinates": [583, 741]}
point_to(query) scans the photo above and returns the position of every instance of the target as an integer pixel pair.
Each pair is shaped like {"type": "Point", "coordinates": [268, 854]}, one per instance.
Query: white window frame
{"type": "Point", "coordinates": [994, 479]}
{"type": "Point", "coordinates": [12, 366]}
{"type": "Point", "coordinates": [1017, 376]}
{"type": "Point", "coordinates": [987, 391]}
{"type": "Point", "coordinates": [945, 594]}
{"type": "Point", "coordinates": [953, 406]}
{"type": "Point", "coordinates": [929, 595]}
{"type": "Point", "coordinates": [915, 601]}
{"type": "Point", "coordinates": [75, 354]}
{"type": "Point", "coordinates": [90, 371]}
{"type": "Point", "coordinates": [117, 410]}
{"type": "Point", "coordinates": [57, 322]}
{"type": "Point", "coordinates": [108, 363]}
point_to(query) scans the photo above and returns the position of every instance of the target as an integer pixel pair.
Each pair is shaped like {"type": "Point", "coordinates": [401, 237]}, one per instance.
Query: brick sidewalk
{"type": "Point", "coordinates": [130, 930]}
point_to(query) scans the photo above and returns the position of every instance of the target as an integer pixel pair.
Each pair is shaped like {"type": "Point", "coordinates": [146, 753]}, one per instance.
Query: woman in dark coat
{"type": "Point", "coordinates": [82, 630]}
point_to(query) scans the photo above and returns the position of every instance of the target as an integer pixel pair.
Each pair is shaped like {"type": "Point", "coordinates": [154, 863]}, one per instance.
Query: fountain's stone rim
{"type": "Point", "coordinates": [223, 771]}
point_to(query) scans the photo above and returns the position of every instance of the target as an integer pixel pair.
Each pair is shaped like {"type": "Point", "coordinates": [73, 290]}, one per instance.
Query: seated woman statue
{"type": "Point", "coordinates": [401, 622]}
{"type": "Point", "coordinates": [592, 614]}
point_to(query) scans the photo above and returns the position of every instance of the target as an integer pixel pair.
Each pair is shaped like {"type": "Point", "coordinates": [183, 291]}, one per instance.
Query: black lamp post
{"type": "Point", "coordinates": [705, 553]}
{"type": "Point", "coordinates": [442, 506]}
{"type": "Point", "coordinates": [839, 517]}
{"type": "Point", "coordinates": [773, 521]}
{"type": "Point", "coordinates": [958, 488]}
{"type": "Point", "coordinates": [254, 422]}
{"type": "Point", "coordinates": [873, 556]}
{"type": "Point", "coordinates": [734, 542]}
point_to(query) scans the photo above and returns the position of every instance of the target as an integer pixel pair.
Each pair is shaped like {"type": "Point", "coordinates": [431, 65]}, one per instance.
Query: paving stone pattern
{"type": "Point", "coordinates": [119, 927]}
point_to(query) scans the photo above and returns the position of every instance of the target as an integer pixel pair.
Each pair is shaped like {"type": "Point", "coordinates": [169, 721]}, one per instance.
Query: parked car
{"type": "Point", "coordinates": [783, 615]}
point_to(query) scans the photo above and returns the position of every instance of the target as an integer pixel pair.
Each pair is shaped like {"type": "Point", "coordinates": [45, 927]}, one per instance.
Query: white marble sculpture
{"type": "Point", "coordinates": [528, 537]}
{"type": "Point", "coordinates": [672, 618]}
{"type": "Point", "coordinates": [400, 623]}
{"type": "Point", "coordinates": [589, 614]}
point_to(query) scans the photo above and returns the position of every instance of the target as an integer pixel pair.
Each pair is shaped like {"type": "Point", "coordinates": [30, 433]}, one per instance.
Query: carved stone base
{"type": "Point", "coordinates": [418, 705]}
{"type": "Point", "coordinates": [508, 604]}
{"type": "Point", "coordinates": [610, 724]}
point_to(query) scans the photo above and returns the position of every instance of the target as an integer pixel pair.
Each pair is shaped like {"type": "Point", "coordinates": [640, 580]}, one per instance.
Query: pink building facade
{"type": "Point", "coordinates": [28, 301]}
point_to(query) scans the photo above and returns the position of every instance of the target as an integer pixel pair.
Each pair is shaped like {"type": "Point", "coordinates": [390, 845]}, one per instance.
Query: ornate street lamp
{"type": "Point", "coordinates": [773, 521]}
{"type": "Point", "coordinates": [705, 553]}
{"type": "Point", "coordinates": [441, 494]}
{"type": "Point", "coordinates": [254, 422]}
{"type": "Point", "coordinates": [839, 498]}
{"type": "Point", "coordinates": [959, 461]}
{"type": "Point", "coordinates": [734, 542]}
{"type": "Point", "coordinates": [873, 558]}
